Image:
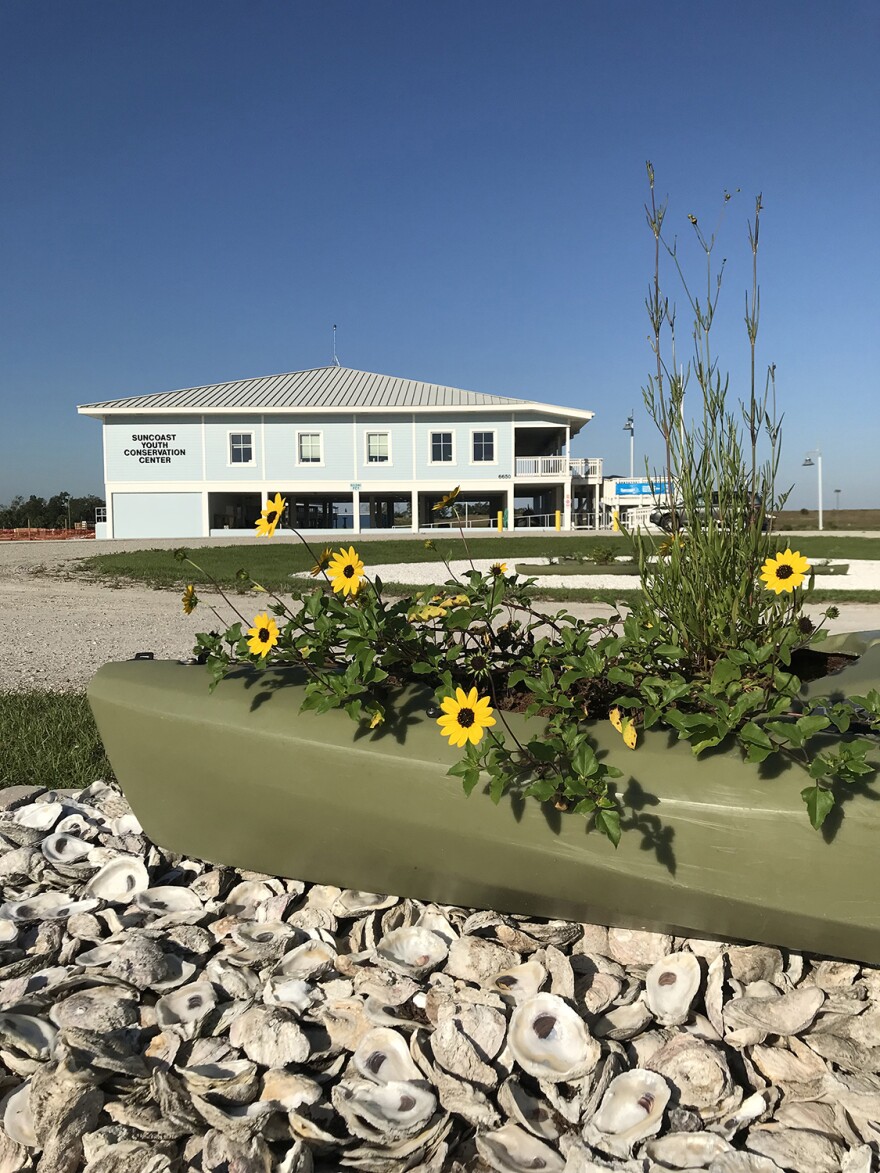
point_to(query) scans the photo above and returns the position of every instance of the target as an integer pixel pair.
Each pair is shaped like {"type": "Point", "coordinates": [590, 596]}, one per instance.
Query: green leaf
{"type": "Point", "coordinates": [752, 734]}
{"type": "Point", "coordinates": [819, 803]}
{"type": "Point", "coordinates": [585, 807]}
{"type": "Point", "coordinates": [460, 619]}
{"type": "Point", "coordinates": [706, 743]}
{"type": "Point", "coordinates": [544, 751]}
{"type": "Point", "coordinates": [496, 788]}
{"type": "Point", "coordinates": [584, 761]}
{"type": "Point", "coordinates": [758, 744]}
{"type": "Point", "coordinates": [724, 672]}
{"type": "Point", "coordinates": [543, 789]}
{"type": "Point", "coordinates": [608, 823]}
{"type": "Point", "coordinates": [670, 651]}
{"type": "Point", "coordinates": [819, 768]}
{"type": "Point", "coordinates": [812, 725]}
{"type": "Point", "coordinates": [469, 780]}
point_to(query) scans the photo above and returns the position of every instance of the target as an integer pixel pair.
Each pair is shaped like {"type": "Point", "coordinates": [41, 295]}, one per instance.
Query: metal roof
{"type": "Point", "coordinates": [326, 389]}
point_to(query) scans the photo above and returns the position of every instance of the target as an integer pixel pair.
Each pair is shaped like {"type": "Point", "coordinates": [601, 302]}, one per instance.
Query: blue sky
{"type": "Point", "coordinates": [196, 192]}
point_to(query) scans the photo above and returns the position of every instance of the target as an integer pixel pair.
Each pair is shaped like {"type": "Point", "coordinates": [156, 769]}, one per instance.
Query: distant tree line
{"type": "Point", "coordinates": [60, 512]}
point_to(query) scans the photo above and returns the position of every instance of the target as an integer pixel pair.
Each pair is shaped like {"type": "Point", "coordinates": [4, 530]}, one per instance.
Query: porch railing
{"type": "Point", "coordinates": [559, 466]}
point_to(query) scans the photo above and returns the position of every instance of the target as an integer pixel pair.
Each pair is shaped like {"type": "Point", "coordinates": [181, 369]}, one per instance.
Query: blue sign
{"type": "Point", "coordinates": [638, 488]}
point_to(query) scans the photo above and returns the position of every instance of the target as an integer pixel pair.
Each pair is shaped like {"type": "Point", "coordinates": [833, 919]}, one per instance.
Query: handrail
{"type": "Point", "coordinates": [558, 466]}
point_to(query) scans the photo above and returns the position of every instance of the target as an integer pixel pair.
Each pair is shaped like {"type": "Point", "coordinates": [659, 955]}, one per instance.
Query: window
{"type": "Point", "coordinates": [378, 448]}
{"type": "Point", "coordinates": [309, 448]}
{"type": "Point", "coordinates": [441, 448]}
{"type": "Point", "coordinates": [484, 447]}
{"type": "Point", "coordinates": [241, 448]}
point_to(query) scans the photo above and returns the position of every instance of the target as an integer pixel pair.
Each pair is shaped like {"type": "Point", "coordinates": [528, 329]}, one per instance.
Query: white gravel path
{"type": "Point", "coordinates": [57, 629]}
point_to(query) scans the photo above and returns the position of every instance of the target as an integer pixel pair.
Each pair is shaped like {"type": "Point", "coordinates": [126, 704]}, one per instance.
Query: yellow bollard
{"type": "Point", "coordinates": [500, 520]}
{"type": "Point", "coordinates": [558, 519]}
{"type": "Point", "coordinates": [615, 521]}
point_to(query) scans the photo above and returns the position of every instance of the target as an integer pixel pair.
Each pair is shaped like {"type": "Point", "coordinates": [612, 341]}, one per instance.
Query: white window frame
{"type": "Point", "coordinates": [441, 432]}
{"type": "Point", "coordinates": [309, 463]}
{"type": "Point", "coordinates": [481, 463]}
{"type": "Point", "coordinates": [376, 463]}
{"type": "Point", "coordinates": [230, 463]}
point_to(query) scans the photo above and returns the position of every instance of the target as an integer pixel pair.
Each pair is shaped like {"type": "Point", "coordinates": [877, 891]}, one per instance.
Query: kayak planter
{"type": "Point", "coordinates": [711, 846]}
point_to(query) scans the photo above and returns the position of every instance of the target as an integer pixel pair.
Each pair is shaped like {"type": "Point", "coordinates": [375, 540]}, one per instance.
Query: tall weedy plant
{"type": "Point", "coordinates": [704, 588]}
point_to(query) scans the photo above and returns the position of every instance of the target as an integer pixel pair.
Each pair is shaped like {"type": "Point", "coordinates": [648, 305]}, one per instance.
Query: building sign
{"type": "Point", "coordinates": [153, 447]}
{"type": "Point", "coordinates": [638, 488]}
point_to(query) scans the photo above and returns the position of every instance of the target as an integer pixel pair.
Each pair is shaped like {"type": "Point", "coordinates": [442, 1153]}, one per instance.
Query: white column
{"type": "Point", "coordinates": [510, 495]}
{"type": "Point", "coordinates": [414, 510]}
{"type": "Point", "coordinates": [356, 511]}
{"type": "Point", "coordinates": [206, 519]}
{"type": "Point", "coordinates": [566, 504]}
{"type": "Point", "coordinates": [598, 503]}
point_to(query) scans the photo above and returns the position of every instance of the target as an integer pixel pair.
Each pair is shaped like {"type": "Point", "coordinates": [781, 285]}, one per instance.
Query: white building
{"type": "Point", "coordinates": [347, 449]}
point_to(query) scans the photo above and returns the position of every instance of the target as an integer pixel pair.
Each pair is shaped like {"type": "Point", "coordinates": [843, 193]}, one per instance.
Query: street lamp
{"type": "Point", "coordinates": [808, 463]}
{"type": "Point", "coordinates": [629, 426]}
{"type": "Point", "coordinates": [836, 500]}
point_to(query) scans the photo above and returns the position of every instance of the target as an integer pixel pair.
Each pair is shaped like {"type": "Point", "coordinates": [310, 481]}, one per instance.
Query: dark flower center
{"type": "Point", "coordinates": [263, 635]}
{"type": "Point", "coordinates": [272, 516]}
{"type": "Point", "coordinates": [784, 571]}
{"type": "Point", "coordinates": [465, 718]}
{"type": "Point", "coordinates": [348, 571]}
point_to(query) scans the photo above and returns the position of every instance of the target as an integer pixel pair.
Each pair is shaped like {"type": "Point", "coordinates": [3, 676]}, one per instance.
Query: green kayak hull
{"type": "Point", "coordinates": [713, 847]}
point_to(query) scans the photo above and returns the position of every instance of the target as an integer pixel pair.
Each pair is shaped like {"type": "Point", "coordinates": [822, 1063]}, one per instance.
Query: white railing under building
{"type": "Point", "coordinates": [559, 466]}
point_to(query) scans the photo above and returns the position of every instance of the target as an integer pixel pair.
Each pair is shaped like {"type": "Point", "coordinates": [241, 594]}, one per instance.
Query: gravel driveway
{"type": "Point", "coordinates": [57, 629]}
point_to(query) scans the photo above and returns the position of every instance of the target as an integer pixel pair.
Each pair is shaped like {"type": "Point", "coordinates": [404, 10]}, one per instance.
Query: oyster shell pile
{"type": "Point", "coordinates": [159, 1014]}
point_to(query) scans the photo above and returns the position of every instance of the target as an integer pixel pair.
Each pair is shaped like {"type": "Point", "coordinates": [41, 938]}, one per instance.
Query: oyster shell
{"type": "Point", "coordinates": [671, 985]}
{"type": "Point", "coordinates": [18, 1122]}
{"type": "Point", "coordinates": [550, 1041]}
{"type": "Point", "coordinates": [510, 1149]}
{"type": "Point", "coordinates": [186, 1008]}
{"type": "Point", "coordinates": [167, 898]}
{"type": "Point", "coordinates": [392, 1111]}
{"type": "Point", "coordinates": [631, 1111]}
{"type": "Point", "coordinates": [382, 1055]}
{"type": "Point", "coordinates": [119, 880]}
{"type": "Point", "coordinates": [413, 951]}
{"type": "Point", "coordinates": [45, 906]}
{"type": "Point", "coordinates": [65, 849]}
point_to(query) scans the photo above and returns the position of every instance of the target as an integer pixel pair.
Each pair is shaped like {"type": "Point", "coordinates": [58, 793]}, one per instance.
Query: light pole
{"type": "Point", "coordinates": [629, 426]}
{"type": "Point", "coordinates": [836, 500]}
{"type": "Point", "coordinates": [808, 463]}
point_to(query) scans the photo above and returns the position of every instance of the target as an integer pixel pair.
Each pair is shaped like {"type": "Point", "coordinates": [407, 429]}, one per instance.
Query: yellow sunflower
{"type": "Point", "coordinates": [346, 571]}
{"type": "Point", "coordinates": [271, 515]}
{"type": "Point", "coordinates": [785, 572]}
{"type": "Point", "coordinates": [322, 562]}
{"type": "Point", "coordinates": [264, 635]}
{"type": "Point", "coordinates": [447, 500]}
{"type": "Point", "coordinates": [498, 568]}
{"type": "Point", "coordinates": [465, 717]}
{"type": "Point", "coordinates": [190, 600]}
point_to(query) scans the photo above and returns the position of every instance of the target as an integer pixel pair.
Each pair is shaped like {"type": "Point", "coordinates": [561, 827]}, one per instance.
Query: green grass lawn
{"type": "Point", "coordinates": [273, 563]}
{"type": "Point", "coordinates": [49, 739]}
